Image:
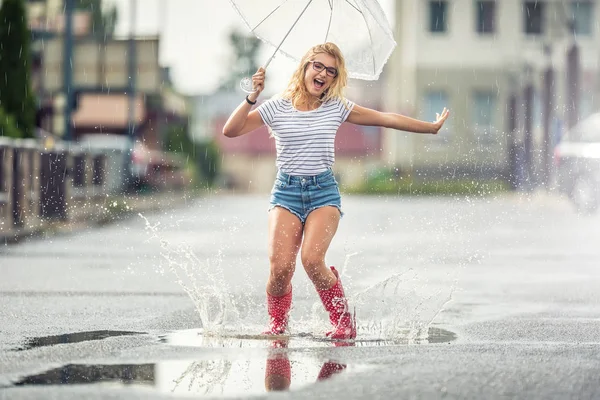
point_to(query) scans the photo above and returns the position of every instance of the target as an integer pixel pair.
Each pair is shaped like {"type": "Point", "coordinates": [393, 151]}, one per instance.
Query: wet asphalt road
{"type": "Point", "coordinates": [456, 298]}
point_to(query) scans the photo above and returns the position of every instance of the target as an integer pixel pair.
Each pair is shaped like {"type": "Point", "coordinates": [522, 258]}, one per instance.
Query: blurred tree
{"type": "Point", "coordinates": [103, 21]}
{"type": "Point", "coordinates": [177, 139]}
{"type": "Point", "coordinates": [246, 48]}
{"type": "Point", "coordinates": [16, 96]}
{"type": "Point", "coordinates": [8, 127]}
{"type": "Point", "coordinates": [209, 160]}
{"type": "Point", "coordinates": [205, 156]}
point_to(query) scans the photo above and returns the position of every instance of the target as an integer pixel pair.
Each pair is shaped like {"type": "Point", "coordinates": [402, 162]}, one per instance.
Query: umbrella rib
{"type": "Point", "coordinates": [268, 15]}
{"type": "Point", "coordinates": [371, 40]}
{"type": "Point", "coordinates": [368, 30]}
{"type": "Point", "coordinates": [287, 34]}
{"type": "Point", "coordinates": [353, 6]}
{"type": "Point", "coordinates": [330, 18]}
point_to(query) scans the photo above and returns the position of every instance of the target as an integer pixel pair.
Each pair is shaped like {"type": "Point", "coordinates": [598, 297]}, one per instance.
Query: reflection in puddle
{"type": "Point", "coordinates": [277, 369]}
{"type": "Point", "coordinates": [69, 338]}
{"type": "Point", "coordinates": [80, 374]}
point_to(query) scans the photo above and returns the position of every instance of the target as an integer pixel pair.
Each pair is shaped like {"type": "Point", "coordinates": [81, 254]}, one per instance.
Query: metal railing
{"type": "Point", "coordinates": [39, 184]}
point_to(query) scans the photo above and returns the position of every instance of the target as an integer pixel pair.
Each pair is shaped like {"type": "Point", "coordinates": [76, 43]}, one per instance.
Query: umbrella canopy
{"type": "Point", "coordinates": [358, 27]}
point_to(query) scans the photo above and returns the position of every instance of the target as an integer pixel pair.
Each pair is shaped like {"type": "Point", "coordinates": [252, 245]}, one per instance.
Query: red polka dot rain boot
{"type": "Point", "coordinates": [336, 304]}
{"type": "Point", "coordinates": [278, 308]}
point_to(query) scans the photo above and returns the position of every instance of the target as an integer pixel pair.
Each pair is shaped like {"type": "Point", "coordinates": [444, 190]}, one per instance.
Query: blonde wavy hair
{"type": "Point", "coordinates": [296, 89]}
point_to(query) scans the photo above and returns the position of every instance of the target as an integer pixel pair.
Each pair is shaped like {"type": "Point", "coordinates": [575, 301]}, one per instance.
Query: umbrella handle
{"type": "Point", "coordinates": [246, 85]}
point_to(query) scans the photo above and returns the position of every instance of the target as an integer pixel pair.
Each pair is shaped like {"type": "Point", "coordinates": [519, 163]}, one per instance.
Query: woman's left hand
{"type": "Point", "coordinates": [440, 119]}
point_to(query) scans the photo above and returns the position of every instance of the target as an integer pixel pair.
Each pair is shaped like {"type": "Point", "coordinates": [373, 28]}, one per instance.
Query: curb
{"type": "Point", "coordinates": [100, 212]}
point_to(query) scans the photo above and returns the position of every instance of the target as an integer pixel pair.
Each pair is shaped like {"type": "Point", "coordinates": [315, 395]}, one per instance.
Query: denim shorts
{"type": "Point", "coordinates": [302, 194]}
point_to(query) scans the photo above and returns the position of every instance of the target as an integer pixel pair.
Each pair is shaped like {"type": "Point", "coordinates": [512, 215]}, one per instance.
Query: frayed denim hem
{"type": "Point", "coordinates": [288, 209]}
{"type": "Point", "coordinates": [327, 205]}
{"type": "Point", "coordinates": [303, 220]}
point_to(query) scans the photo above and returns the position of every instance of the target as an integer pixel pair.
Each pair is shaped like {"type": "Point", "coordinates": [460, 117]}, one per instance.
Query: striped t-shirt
{"type": "Point", "coordinates": [304, 139]}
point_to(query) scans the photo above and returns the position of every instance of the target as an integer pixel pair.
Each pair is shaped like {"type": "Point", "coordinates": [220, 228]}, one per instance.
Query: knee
{"type": "Point", "coordinates": [312, 262]}
{"type": "Point", "coordinates": [282, 267]}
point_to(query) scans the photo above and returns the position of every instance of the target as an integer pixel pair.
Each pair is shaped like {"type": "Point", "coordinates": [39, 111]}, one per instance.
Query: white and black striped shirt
{"type": "Point", "coordinates": [304, 139]}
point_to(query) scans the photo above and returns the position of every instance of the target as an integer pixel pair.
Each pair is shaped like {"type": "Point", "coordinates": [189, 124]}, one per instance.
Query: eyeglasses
{"type": "Point", "coordinates": [319, 66]}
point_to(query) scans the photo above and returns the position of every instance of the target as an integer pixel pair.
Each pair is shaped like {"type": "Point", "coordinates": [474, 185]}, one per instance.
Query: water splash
{"type": "Point", "coordinates": [204, 377]}
{"type": "Point", "coordinates": [401, 307]}
{"type": "Point", "coordinates": [204, 282]}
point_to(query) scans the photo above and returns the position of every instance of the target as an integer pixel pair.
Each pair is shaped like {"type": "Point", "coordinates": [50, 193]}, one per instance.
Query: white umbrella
{"type": "Point", "coordinates": [291, 27]}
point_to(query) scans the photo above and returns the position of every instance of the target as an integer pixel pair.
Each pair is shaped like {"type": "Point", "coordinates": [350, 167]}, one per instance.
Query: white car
{"type": "Point", "coordinates": [577, 161]}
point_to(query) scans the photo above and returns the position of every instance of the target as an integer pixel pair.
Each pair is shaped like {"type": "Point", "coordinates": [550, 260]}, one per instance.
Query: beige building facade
{"type": "Point", "coordinates": [471, 56]}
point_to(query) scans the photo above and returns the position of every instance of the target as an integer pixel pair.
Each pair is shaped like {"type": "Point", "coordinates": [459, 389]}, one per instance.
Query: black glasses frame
{"type": "Point", "coordinates": [319, 66]}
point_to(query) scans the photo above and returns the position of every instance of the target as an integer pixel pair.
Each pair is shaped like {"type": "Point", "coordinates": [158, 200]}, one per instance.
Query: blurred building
{"type": "Point", "coordinates": [101, 102]}
{"type": "Point", "coordinates": [47, 17]}
{"type": "Point", "coordinates": [486, 61]}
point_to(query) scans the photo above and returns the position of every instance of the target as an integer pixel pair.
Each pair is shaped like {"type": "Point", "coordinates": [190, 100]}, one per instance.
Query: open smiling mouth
{"type": "Point", "coordinates": [319, 83]}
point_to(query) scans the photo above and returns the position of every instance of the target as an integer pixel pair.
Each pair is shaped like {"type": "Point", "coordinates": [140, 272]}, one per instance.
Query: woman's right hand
{"type": "Point", "coordinates": [258, 83]}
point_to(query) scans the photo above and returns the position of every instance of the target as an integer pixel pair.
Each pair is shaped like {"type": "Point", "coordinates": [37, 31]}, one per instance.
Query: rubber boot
{"type": "Point", "coordinates": [336, 304]}
{"type": "Point", "coordinates": [278, 308]}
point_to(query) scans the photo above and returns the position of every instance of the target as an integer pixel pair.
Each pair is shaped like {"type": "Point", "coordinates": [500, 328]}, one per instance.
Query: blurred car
{"type": "Point", "coordinates": [577, 162]}
{"type": "Point", "coordinates": [158, 170]}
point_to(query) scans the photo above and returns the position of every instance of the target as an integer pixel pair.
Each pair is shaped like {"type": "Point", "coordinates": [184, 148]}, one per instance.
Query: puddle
{"type": "Point", "coordinates": [276, 371]}
{"type": "Point", "coordinates": [83, 374]}
{"type": "Point", "coordinates": [245, 374]}
{"type": "Point", "coordinates": [69, 338]}
{"type": "Point", "coordinates": [197, 338]}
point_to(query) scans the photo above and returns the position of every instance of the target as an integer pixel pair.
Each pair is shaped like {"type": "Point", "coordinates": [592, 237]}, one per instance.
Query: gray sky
{"type": "Point", "coordinates": [194, 39]}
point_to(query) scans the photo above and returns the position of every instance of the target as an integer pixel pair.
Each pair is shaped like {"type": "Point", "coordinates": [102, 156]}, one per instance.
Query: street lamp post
{"type": "Point", "coordinates": [511, 115]}
{"type": "Point", "coordinates": [528, 93]}
{"type": "Point", "coordinates": [68, 69]}
{"type": "Point", "coordinates": [573, 85]}
{"type": "Point", "coordinates": [547, 117]}
{"type": "Point", "coordinates": [131, 91]}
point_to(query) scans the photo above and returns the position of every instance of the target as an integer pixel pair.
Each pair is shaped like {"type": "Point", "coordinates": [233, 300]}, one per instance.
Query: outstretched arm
{"type": "Point", "coordinates": [242, 120]}
{"type": "Point", "coordinates": [366, 116]}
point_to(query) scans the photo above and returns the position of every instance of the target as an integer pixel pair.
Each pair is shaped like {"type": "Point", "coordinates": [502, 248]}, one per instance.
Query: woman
{"type": "Point", "coordinates": [305, 205]}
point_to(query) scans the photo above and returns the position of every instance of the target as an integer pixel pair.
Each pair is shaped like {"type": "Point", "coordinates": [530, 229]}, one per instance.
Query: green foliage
{"type": "Point", "coordinates": [16, 96]}
{"type": "Point", "coordinates": [209, 160]}
{"type": "Point", "coordinates": [177, 140]}
{"type": "Point", "coordinates": [246, 48]}
{"type": "Point", "coordinates": [386, 182]}
{"type": "Point", "coordinates": [103, 21]}
{"type": "Point", "coordinates": [8, 127]}
{"type": "Point", "coordinates": [205, 156]}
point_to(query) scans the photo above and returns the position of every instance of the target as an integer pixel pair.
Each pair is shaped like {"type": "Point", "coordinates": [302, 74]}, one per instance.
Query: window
{"type": "Point", "coordinates": [438, 16]}
{"type": "Point", "coordinates": [434, 102]}
{"type": "Point", "coordinates": [534, 17]}
{"type": "Point", "coordinates": [483, 113]}
{"type": "Point", "coordinates": [582, 13]}
{"type": "Point", "coordinates": [486, 16]}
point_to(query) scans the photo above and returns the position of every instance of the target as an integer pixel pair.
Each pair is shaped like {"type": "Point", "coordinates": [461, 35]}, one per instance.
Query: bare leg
{"type": "Point", "coordinates": [285, 236]}
{"type": "Point", "coordinates": [319, 229]}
